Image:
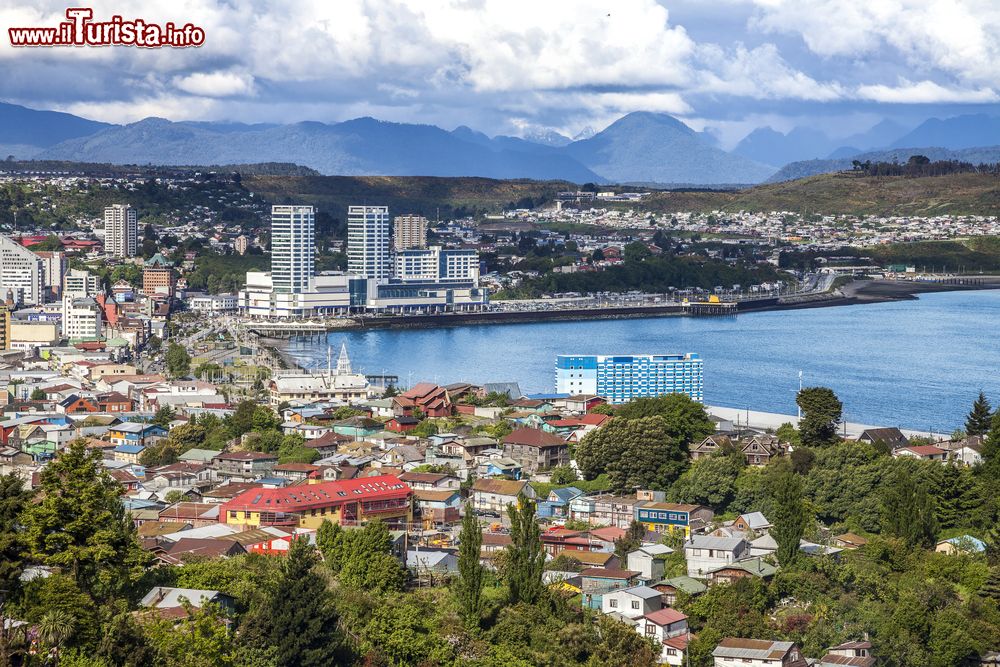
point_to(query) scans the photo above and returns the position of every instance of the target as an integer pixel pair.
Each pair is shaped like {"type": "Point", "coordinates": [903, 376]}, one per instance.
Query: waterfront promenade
{"type": "Point", "coordinates": [772, 420]}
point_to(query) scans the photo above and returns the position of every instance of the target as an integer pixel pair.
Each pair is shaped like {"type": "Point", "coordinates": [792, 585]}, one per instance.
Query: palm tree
{"type": "Point", "coordinates": [54, 629]}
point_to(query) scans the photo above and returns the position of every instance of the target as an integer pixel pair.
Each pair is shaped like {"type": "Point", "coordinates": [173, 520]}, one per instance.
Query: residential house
{"type": "Point", "coordinates": [556, 505]}
{"type": "Point", "coordinates": [492, 496]}
{"type": "Point", "coordinates": [742, 569]}
{"type": "Point", "coordinates": [428, 398]}
{"type": "Point", "coordinates": [402, 424]}
{"type": "Point", "coordinates": [923, 452]}
{"type": "Point", "coordinates": [660, 517]}
{"type": "Point", "coordinates": [244, 466]}
{"type": "Point", "coordinates": [960, 544]}
{"type": "Point", "coordinates": [752, 522]}
{"type": "Point", "coordinates": [671, 588]}
{"type": "Point", "coordinates": [849, 654]}
{"type": "Point", "coordinates": [425, 562]}
{"type": "Point", "coordinates": [535, 449]}
{"type": "Point", "coordinates": [294, 471]}
{"type": "Point", "coordinates": [669, 629]}
{"type": "Point", "coordinates": [166, 597]}
{"type": "Point", "coordinates": [430, 481]}
{"type": "Point", "coordinates": [595, 583]}
{"type": "Point", "coordinates": [757, 653]}
{"type": "Point", "coordinates": [649, 561]}
{"type": "Point", "coordinates": [760, 449]}
{"type": "Point", "coordinates": [709, 446]}
{"type": "Point", "coordinates": [604, 509]}
{"type": "Point", "coordinates": [849, 541]}
{"type": "Point", "coordinates": [438, 506]}
{"type": "Point", "coordinates": [631, 602]}
{"type": "Point", "coordinates": [127, 453]}
{"type": "Point", "coordinates": [197, 514]}
{"type": "Point", "coordinates": [891, 437]}
{"type": "Point", "coordinates": [705, 553]}
{"type": "Point", "coordinates": [136, 433]}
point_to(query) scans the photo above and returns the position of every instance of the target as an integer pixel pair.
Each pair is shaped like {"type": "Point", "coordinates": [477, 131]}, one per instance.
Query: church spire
{"type": "Point", "coordinates": [343, 361]}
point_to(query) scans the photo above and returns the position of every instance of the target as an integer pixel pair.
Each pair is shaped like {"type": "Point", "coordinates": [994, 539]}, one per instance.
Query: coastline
{"type": "Point", "coordinates": [859, 292]}
{"type": "Point", "coordinates": [856, 293]}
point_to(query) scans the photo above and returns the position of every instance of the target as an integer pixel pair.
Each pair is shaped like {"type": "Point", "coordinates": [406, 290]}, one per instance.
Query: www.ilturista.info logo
{"type": "Point", "coordinates": [82, 30]}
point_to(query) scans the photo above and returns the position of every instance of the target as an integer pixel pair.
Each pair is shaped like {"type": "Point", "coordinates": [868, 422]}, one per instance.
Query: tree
{"type": "Point", "coordinates": [201, 639]}
{"type": "Point", "coordinates": [622, 646]}
{"type": "Point", "coordinates": [390, 391]}
{"type": "Point", "coordinates": [298, 619]}
{"type": "Point", "coordinates": [164, 416]}
{"type": "Point", "coordinates": [709, 481]}
{"type": "Point", "coordinates": [636, 251]}
{"type": "Point", "coordinates": [979, 418]}
{"type": "Point", "coordinates": [178, 360]}
{"type": "Point", "coordinates": [789, 518]}
{"type": "Point", "coordinates": [630, 541]}
{"type": "Point", "coordinates": [54, 629]}
{"type": "Point", "coordinates": [38, 394]}
{"type": "Point", "coordinates": [366, 560]}
{"type": "Point", "coordinates": [908, 510]}
{"type": "Point", "coordinates": [821, 412]}
{"type": "Point", "coordinates": [563, 475]}
{"type": "Point", "coordinates": [635, 453]}
{"type": "Point", "coordinates": [80, 524]}
{"type": "Point", "coordinates": [469, 586]}
{"type": "Point", "coordinates": [329, 543]}
{"type": "Point", "coordinates": [525, 556]}
{"type": "Point", "coordinates": [686, 419]}
{"type": "Point", "coordinates": [13, 500]}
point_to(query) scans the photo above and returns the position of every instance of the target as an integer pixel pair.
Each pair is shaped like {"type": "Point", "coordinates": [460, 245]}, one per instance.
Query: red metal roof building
{"type": "Point", "coordinates": [346, 501]}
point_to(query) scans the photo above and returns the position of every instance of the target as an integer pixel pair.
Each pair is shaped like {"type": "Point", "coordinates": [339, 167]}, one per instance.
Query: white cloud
{"type": "Point", "coordinates": [759, 73]}
{"type": "Point", "coordinates": [957, 37]}
{"type": "Point", "coordinates": [925, 92]}
{"type": "Point", "coordinates": [562, 64]}
{"type": "Point", "coordinates": [216, 84]}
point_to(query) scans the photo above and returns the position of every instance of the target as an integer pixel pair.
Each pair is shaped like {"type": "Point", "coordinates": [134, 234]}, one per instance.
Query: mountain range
{"type": "Point", "coordinates": [639, 148]}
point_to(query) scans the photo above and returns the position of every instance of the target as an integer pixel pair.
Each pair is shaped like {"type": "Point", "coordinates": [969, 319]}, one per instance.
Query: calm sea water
{"type": "Point", "coordinates": [917, 364]}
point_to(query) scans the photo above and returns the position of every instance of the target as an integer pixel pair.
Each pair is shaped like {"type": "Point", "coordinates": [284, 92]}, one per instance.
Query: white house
{"type": "Point", "coordinates": [669, 629]}
{"type": "Point", "coordinates": [648, 561]}
{"type": "Point", "coordinates": [757, 653]}
{"type": "Point", "coordinates": [705, 553]}
{"type": "Point", "coordinates": [632, 602]}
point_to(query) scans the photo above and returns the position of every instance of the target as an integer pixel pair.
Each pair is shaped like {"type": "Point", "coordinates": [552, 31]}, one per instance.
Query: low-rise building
{"type": "Point", "coordinates": [347, 502]}
{"type": "Point", "coordinates": [705, 553]}
{"type": "Point", "coordinates": [757, 653]}
{"type": "Point", "coordinates": [492, 496]}
{"type": "Point", "coordinates": [535, 449]}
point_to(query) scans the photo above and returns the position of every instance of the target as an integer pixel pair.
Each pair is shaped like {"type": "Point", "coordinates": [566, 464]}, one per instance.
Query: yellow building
{"type": "Point", "coordinates": [347, 502]}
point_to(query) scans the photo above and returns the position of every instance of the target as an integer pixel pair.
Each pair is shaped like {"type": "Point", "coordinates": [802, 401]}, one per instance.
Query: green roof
{"type": "Point", "coordinates": [689, 585]}
{"type": "Point", "coordinates": [117, 342]}
{"type": "Point", "coordinates": [158, 260]}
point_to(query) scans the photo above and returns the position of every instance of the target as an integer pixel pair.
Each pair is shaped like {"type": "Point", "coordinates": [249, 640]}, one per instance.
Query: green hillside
{"type": "Point", "coordinates": [424, 195]}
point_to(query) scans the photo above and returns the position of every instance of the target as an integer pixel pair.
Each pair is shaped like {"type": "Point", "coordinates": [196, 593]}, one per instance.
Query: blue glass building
{"type": "Point", "coordinates": [621, 378]}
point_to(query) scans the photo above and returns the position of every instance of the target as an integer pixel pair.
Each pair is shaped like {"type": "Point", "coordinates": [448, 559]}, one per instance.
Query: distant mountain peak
{"type": "Point", "coordinates": [586, 133]}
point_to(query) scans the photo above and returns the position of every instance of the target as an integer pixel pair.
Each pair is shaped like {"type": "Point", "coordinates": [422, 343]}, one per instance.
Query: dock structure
{"type": "Point", "coordinates": [286, 329]}
{"type": "Point", "coordinates": [710, 307]}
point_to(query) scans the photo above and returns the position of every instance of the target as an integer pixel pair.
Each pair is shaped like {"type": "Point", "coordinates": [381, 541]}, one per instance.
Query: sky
{"type": "Point", "coordinates": [524, 66]}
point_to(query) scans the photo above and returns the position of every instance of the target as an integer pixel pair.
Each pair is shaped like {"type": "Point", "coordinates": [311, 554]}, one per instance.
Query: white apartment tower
{"type": "Point", "coordinates": [121, 230]}
{"type": "Point", "coordinates": [409, 231]}
{"type": "Point", "coordinates": [368, 242]}
{"type": "Point", "coordinates": [293, 248]}
{"type": "Point", "coordinates": [22, 273]}
{"type": "Point", "coordinates": [79, 284]}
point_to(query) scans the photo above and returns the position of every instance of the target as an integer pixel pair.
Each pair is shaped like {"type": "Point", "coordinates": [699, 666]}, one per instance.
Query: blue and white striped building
{"type": "Point", "coordinates": [621, 378]}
